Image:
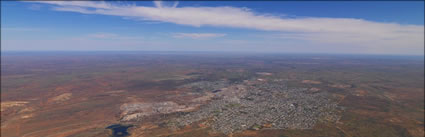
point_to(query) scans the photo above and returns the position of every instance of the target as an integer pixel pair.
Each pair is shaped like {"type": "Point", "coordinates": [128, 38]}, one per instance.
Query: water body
{"type": "Point", "coordinates": [119, 130]}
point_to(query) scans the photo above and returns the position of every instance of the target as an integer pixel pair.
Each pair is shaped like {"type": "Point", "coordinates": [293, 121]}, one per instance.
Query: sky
{"type": "Point", "coordinates": [391, 27]}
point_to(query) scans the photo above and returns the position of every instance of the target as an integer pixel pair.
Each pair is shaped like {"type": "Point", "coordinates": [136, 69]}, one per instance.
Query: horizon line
{"type": "Point", "coordinates": [200, 51]}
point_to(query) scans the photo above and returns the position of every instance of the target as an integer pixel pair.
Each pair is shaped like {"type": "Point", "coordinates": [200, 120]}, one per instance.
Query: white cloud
{"type": "Point", "coordinates": [198, 35]}
{"type": "Point", "coordinates": [344, 31]}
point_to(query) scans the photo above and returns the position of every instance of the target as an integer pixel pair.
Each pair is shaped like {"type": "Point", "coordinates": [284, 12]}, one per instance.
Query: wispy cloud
{"type": "Point", "coordinates": [34, 7]}
{"type": "Point", "coordinates": [160, 4]}
{"type": "Point", "coordinates": [198, 35]}
{"type": "Point", "coordinates": [105, 35]}
{"type": "Point", "coordinates": [315, 29]}
{"type": "Point", "coordinates": [20, 29]}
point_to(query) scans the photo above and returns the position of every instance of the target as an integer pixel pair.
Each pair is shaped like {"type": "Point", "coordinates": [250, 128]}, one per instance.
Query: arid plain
{"type": "Point", "coordinates": [80, 94]}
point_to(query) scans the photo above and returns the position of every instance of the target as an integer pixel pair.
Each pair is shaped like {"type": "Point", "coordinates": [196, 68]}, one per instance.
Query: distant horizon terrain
{"type": "Point", "coordinates": [197, 52]}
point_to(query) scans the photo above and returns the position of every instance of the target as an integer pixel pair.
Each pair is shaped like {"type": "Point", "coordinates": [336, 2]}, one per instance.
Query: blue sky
{"type": "Point", "coordinates": [279, 26]}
